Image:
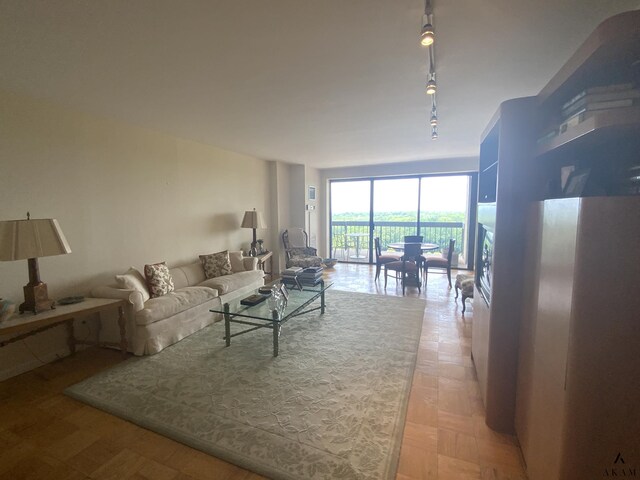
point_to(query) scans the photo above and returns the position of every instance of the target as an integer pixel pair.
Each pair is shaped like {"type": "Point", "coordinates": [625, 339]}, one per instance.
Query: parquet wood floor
{"type": "Point", "coordinates": [46, 435]}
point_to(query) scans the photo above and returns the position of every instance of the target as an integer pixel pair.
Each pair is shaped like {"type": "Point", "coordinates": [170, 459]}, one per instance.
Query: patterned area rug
{"type": "Point", "coordinates": [331, 406]}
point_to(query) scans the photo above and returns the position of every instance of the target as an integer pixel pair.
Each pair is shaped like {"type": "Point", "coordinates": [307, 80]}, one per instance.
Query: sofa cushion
{"type": "Point", "coordinates": [159, 308]}
{"type": "Point", "coordinates": [435, 261]}
{"type": "Point", "coordinates": [187, 275]}
{"type": "Point", "coordinates": [159, 281]}
{"type": "Point", "coordinates": [304, 261]}
{"type": "Point", "coordinates": [132, 279]}
{"type": "Point", "coordinates": [216, 264]}
{"type": "Point", "coordinates": [229, 283]}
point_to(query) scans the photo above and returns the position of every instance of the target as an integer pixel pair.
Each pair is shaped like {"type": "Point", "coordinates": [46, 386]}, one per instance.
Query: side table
{"type": "Point", "coordinates": [28, 324]}
{"type": "Point", "coordinates": [262, 260]}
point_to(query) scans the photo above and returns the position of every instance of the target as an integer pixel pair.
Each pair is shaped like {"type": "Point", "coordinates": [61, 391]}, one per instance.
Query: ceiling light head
{"type": "Point", "coordinates": [431, 87]}
{"type": "Point", "coordinates": [434, 119]}
{"type": "Point", "coordinates": [434, 133]}
{"type": "Point", "coordinates": [427, 35]}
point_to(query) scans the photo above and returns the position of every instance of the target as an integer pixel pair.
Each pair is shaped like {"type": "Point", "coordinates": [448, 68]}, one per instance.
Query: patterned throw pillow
{"type": "Point", "coordinates": [216, 264]}
{"type": "Point", "coordinates": [159, 279]}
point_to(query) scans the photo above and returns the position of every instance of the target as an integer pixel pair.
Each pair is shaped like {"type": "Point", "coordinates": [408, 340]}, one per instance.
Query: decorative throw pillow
{"type": "Point", "coordinates": [216, 264]}
{"type": "Point", "coordinates": [132, 279]}
{"type": "Point", "coordinates": [159, 279]}
{"type": "Point", "coordinates": [237, 264]}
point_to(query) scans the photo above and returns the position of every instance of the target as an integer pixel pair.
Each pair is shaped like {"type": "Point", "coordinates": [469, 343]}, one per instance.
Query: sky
{"type": "Point", "coordinates": [396, 195]}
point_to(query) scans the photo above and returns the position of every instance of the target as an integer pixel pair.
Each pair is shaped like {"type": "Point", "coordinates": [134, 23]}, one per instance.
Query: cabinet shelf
{"type": "Point", "coordinates": [602, 126]}
{"type": "Point", "coordinates": [606, 57]}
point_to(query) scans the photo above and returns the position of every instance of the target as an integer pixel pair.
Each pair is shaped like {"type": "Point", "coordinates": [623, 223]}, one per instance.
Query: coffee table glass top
{"type": "Point", "coordinates": [298, 300]}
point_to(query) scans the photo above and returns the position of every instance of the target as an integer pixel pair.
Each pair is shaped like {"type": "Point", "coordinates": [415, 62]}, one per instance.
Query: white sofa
{"type": "Point", "coordinates": [156, 323]}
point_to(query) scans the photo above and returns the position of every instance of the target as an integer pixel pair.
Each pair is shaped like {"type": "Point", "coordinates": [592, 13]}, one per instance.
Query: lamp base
{"type": "Point", "coordinates": [36, 299]}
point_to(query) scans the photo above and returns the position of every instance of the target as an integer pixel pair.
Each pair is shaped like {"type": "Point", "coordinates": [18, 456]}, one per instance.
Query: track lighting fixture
{"type": "Point", "coordinates": [431, 87]}
{"type": "Point", "coordinates": [427, 38]}
{"type": "Point", "coordinates": [427, 35]}
{"type": "Point", "coordinates": [434, 118]}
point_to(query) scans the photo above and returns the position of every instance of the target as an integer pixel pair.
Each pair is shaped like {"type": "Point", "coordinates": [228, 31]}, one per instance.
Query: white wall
{"type": "Point", "coordinates": [123, 196]}
{"type": "Point", "coordinates": [313, 220]}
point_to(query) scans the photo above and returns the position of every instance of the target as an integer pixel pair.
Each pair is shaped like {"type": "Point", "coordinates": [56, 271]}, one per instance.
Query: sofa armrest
{"type": "Point", "coordinates": [250, 263]}
{"type": "Point", "coordinates": [134, 297]}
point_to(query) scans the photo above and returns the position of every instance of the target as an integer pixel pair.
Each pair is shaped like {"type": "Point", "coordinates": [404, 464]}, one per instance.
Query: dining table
{"type": "Point", "coordinates": [425, 247]}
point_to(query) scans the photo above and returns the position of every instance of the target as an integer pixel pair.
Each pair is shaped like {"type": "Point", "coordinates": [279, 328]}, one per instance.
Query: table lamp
{"type": "Point", "coordinates": [253, 219]}
{"type": "Point", "coordinates": [30, 239]}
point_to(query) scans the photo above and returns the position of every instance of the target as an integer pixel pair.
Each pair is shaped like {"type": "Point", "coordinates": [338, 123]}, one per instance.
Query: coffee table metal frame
{"type": "Point", "coordinates": [249, 315]}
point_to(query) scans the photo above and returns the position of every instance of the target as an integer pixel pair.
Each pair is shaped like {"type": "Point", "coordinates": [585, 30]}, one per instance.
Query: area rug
{"type": "Point", "coordinates": [332, 405]}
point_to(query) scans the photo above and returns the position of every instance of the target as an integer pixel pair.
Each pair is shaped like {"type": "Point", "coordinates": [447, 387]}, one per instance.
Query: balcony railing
{"type": "Point", "coordinates": [350, 239]}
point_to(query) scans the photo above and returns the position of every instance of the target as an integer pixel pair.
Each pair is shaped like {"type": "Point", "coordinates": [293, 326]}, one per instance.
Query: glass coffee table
{"type": "Point", "coordinates": [261, 316]}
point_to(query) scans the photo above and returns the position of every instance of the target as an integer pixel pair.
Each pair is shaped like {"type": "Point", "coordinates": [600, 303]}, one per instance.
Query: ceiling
{"type": "Point", "coordinates": [326, 83]}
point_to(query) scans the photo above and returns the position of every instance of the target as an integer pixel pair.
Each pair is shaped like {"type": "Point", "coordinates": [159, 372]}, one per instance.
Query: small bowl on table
{"type": "Point", "coordinates": [330, 262]}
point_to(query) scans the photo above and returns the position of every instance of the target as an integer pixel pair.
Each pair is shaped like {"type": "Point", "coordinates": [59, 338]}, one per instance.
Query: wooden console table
{"type": "Point", "coordinates": [27, 324]}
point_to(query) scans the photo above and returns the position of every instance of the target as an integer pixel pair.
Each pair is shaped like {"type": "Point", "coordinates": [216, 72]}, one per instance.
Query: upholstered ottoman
{"type": "Point", "coordinates": [465, 284]}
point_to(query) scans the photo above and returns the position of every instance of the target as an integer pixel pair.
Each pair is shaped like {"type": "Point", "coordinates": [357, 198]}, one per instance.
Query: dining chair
{"type": "Point", "coordinates": [408, 268]}
{"type": "Point", "coordinates": [413, 238]}
{"type": "Point", "coordinates": [439, 261]}
{"type": "Point", "coordinates": [384, 258]}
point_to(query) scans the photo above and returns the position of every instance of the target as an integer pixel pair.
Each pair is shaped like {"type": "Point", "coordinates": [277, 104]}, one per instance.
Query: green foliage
{"type": "Point", "coordinates": [439, 235]}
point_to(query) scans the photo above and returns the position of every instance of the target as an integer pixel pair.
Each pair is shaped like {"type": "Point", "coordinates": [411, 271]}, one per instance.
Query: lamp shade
{"type": "Point", "coordinates": [22, 239]}
{"type": "Point", "coordinates": [253, 219]}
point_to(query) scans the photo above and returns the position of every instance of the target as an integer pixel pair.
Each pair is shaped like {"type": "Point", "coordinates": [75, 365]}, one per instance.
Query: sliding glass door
{"type": "Point", "coordinates": [395, 212]}
{"type": "Point", "coordinates": [438, 207]}
{"type": "Point", "coordinates": [350, 220]}
{"type": "Point", "coordinates": [444, 213]}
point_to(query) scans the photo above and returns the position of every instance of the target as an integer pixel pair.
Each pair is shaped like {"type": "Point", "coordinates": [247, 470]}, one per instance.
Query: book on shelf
{"type": "Point", "coordinates": [311, 275]}
{"type": "Point", "coordinates": [291, 271]}
{"type": "Point", "coordinates": [587, 112]}
{"type": "Point", "coordinates": [589, 104]}
{"type": "Point", "coordinates": [289, 275]}
{"type": "Point", "coordinates": [305, 277]}
{"type": "Point", "coordinates": [292, 282]}
{"type": "Point", "coordinates": [604, 89]}
{"type": "Point", "coordinates": [312, 269]}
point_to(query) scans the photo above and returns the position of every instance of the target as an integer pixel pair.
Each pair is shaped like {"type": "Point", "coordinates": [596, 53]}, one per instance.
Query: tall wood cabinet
{"type": "Point", "coordinates": [579, 370]}
{"type": "Point", "coordinates": [504, 190]}
{"type": "Point", "coordinates": [570, 333]}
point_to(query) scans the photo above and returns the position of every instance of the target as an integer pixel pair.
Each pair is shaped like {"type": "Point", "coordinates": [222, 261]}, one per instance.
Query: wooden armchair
{"type": "Point", "coordinates": [297, 249]}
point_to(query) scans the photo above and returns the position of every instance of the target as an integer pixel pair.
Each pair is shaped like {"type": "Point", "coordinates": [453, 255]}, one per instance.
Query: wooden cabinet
{"type": "Point", "coordinates": [504, 190]}
{"type": "Point", "coordinates": [555, 342]}
{"type": "Point", "coordinates": [578, 365]}
{"type": "Point", "coordinates": [579, 371]}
